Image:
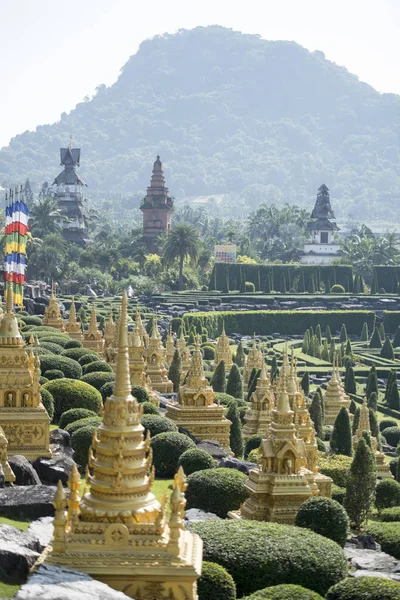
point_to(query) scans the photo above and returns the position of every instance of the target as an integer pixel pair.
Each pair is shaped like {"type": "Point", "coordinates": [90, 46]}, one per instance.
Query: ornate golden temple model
{"type": "Point", "coordinates": [118, 532]}
{"type": "Point", "coordinates": [23, 417]}
{"type": "Point", "coordinates": [52, 314]}
{"type": "Point", "coordinates": [195, 409]}
{"type": "Point", "coordinates": [254, 360]}
{"type": "Point", "coordinates": [335, 396]}
{"type": "Point", "coordinates": [223, 351]}
{"type": "Point", "coordinates": [92, 337]}
{"type": "Point", "coordinates": [155, 366]}
{"type": "Point", "coordinates": [259, 414]}
{"type": "Point", "coordinates": [137, 365]}
{"type": "Point", "coordinates": [72, 327]}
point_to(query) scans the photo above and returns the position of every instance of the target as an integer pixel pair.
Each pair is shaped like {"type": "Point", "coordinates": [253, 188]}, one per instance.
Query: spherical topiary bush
{"type": "Point", "coordinates": [106, 390]}
{"type": "Point", "coordinates": [88, 358]}
{"type": "Point", "coordinates": [140, 393]}
{"type": "Point", "coordinates": [392, 435]}
{"type": "Point", "coordinates": [259, 554]}
{"type": "Point", "coordinates": [285, 591]}
{"type": "Point", "coordinates": [72, 427]}
{"type": "Point", "coordinates": [69, 367]}
{"type": "Point", "coordinates": [98, 379]}
{"type": "Point", "coordinates": [149, 408]}
{"type": "Point", "coordinates": [320, 445]}
{"type": "Point", "coordinates": [215, 583]}
{"type": "Point", "coordinates": [58, 338]}
{"type": "Point", "coordinates": [48, 402]}
{"type": "Point", "coordinates": [53, 348]}
{"type": "Point", "coordinates": [338, 493]}
{"type": "Point", "coordinates": [43, 380]}
{"type": "Point", "coordinates": [74, 414]}
{"type": "Point", "coordinates": [385, 423]}
{"type": "Point", "coordinates": [250, 287]}
{"type": "Point", "coordinates": [336, 466]}
{"type": "Point", "coordinates": [98, 366]}
{"type": "Point", "coordinates": [81, 441]}
{"type": "Point", "coordinates": [387, 535]}
{"type": "Point", "coordinates": [196, 459]}
{"type": "Point", "coordinates": [54, 374]}
{"type": "Point", "coordinates": [254, 456]}
{"type": "Point", "coordinates": [387, 494]}
{"type": "Point", "coordinates": [77, 353]}
{"type": "Point", "coordinates": [390, 514]}
{"type": "Point", "coordinates": [209, 352]}
{"type": "Point", "coordinates": [253, 443]}
{"type": "Point", "coordinates": [167, 449]}
{"type": "Point", "coordinates": [217, 490]}
{"type": "Point", "coordinates": [324, 516]}
{"type": "Point", "coordinates": [73, 344]}
{"type": "Point", "coordinates": [30, 319]}
{"type": "Point", "coordinates": [365, 588]}
{"type": "Point", "coordinates": [157, 424]}
{"type": "Point", "coordinates": [337, 289]}
{"type": "Point", "coordinates": [70, 393]}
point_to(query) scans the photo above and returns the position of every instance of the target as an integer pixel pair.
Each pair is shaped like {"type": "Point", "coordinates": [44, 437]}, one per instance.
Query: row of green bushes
{"type": "Point", "coordinates": [286, 322]}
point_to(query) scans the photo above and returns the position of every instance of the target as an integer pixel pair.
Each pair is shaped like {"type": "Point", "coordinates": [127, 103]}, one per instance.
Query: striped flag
{"type": "Point", "coordinates": [16, 230]}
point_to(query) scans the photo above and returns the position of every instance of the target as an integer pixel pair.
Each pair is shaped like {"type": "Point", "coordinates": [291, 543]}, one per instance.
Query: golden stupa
{"type": "Point", "coordinates": [170, 347]}
{"type": "Point", "coordinates": [195, 409]}
{"type": "Point", "coordinates": [8, 473]}
{"type": "Point", "coordinates": [52, 314]}
{"type": "Point", "coordinates": [72, 327]}
{"type": "Point", "coordinates": [23, 417]}
{"type": "Point", "coordinates": [335, 396]}
{"type": "Point", "coordinates": [118, 532]}
{"type": "Point", "coordinates": [259, 415]}
{"type": "Point", "coordinates": [137, 365]}
{"type": "Point", "coordinates": [92, 337]}
{"type": "Point", "coordinates": [155, 366]}
{"type": "Point", "coordinates": [186, 358]}
{"type": "Point", "coordinates": [254, 360]}
{"type": "Point", "coordinates": [222, 350]}
{"type": "Point", "coordinates": [382, 467]}
{"type": "Point", "coordinates": [109, 331]}
{"type": "Point", "coordinates": [280, 483]}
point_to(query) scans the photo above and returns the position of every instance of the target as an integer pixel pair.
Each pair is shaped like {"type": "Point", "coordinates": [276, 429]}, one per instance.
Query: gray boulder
{"type": "Point", "coordinates": [196, 515]}
{"type": "Point", "coordinates": [233, 463]}
{"type": "Point", "coordinates": [214, 448]}
{"type": "Point", "coordinates": [51, 582]}
{"type": "Point", "coordinates": [59, 466]}
{"type": "Point", "coordinates": [27, 503]}
{"type": "Point", "coordinates": [363, 542]}
{"type": "Point", "coordinates": [41, 532]}
{"type": "Point", "coordinates": [24, 472]}
{"type": "Point", "coordinates": [60, 437]}
{"type": "Point", "coordinates": [1, 476]}
{"type": "Point", "coordinates": [16, 555]}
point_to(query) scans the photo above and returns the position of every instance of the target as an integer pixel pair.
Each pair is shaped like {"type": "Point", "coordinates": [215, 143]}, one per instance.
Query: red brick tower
{"type": "Point", "coordinates": [157, 208]}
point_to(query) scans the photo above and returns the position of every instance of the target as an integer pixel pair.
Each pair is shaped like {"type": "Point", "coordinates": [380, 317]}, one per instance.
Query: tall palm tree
{"type": "Point", "coordinates": [182, 242]}
{"type": "Point", "coordinates": [46, 216]}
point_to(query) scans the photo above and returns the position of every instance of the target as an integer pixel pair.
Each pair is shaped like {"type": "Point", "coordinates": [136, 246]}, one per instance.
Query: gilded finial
{"type": "Point", "coordinates": [122, 386]}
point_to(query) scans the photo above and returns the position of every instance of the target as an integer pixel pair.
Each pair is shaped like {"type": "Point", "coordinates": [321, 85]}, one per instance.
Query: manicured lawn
{"type": "Point", "coordinates": [7, 590]}
{"type": "Point", "coordinates": [24, 525]}
{"type": "Point", "coordinates": [160, 486]}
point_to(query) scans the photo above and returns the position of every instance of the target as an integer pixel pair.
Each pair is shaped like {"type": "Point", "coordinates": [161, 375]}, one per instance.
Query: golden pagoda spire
{"type": "Point", "coordinates": [9, 299]}
{"type": "Point", "coordinates": [195, 376]}
{"type": "Point", "coordinates": [122, 386]}
{"type": "Point", "coordinates": [92, 326]}
{"type": "Point", "coordinates": [363, 423]}
{"type": "Point", "coordinates": [9, 330]}
{"type": "Point", "coordinates": [155, 334]}
{"type": "Point", "coordinates": [72, 312]}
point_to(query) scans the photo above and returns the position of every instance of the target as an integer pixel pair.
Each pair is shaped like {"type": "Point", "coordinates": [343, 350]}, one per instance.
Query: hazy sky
{"type": "Point", "coordinates": [54, 53]}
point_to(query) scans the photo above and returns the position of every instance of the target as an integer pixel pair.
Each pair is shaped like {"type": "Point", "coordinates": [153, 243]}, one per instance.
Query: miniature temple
{"type": "Point", "coordinates": [52, 314]}
{"type": "Point", "coordinates": [195, 409]}
{"type": "Point", "coordinates": [223, 351]}
{"type": "Point", "coordinates": [170, 347]}
{"type": "Point", "coordinates": [9, 476]}
{"type": "Point", "coordinates": [92, 337]}
{"type": "Point", "coordinates": [69, 195]}
{"type": "Point", "coordinates": [157, 208]}
{"type": "Point", "coordinates": [335, 396]}
{"type": "Point", "coordinates": [254, 360]}
{"type": "Point", "coordinates": [321, 248]}
{"type": "Point", "coordinates": [118, 532]}
{"type": "Point", "coordinates": [280, 482]}
{"type": "Point", "coordinates": [186, 358]}
{"type": "Point", "coordinates": [382, 468]}
{"type": "Point", "coordinates": [109, 331]}
{"type": "Point", "coordinates": [23, 417]}
{"type": "Point", "coordinates": [258, 416]}
{"type": "Point", "coordinates": [72, 327]}
{"type": "Point", "coordinates": [137, 365]}
{"type": "Point", "coordinates": [155, 365]}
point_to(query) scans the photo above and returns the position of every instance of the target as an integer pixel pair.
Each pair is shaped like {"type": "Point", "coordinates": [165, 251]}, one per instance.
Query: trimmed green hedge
{"type": "Point", "coordinates": [77, 353]}
{"type": "Point", "coordinates": [388, 278]}
{"type": "Point", "coordinates": [286, 322]}
{"type": "Point", "coordinates": [324, 516]}
{"type": "Point", "coordinates": [98, 379]}
{"type": "Point", "coordinates": [167, 449]}
{"type": "Point", "coordinates": [215, 583]}
{"type": "Point", "coordinates": [61, 339]}
{"type": "Point", "coordinates": [387, 535]}
{"type": "Point", "coordinates": [157, 424]}
{"type": "Point", "coordinates": [217, 490]}
{"type": "Point", "coordinates": [284, 592]}
{"type": "Point", "coordinates": [52, 347]}
{"type": "Point", "coordinates": [258, 554]}
{"type": "Point", "coordinates": [97, 366]}
{"type": "Point", "coordinates": [336, 466]}
{"type": "Point", "coordinates": [74, 414]}
{"type": "Point", "coordinates": [365, 588]}
{"type": "Point", "coordinates": [70, 368]}
{"type": "Point", "coordinates": [391, 320]}
{"type": "Point", "coordinates": [72, 427]}
{"type": "Point", "coordinates": [195, 459]}
{"type": "Point", "coordinates": [48, 402]}
{"type": "Point", "coordinates": [88, 358]}
{"type": "Point", "coordinates": [70, 393]}
{"type": "Point", "coordinates": [81, 441]}
{"type": "Point", "coordinates": [391, 514]}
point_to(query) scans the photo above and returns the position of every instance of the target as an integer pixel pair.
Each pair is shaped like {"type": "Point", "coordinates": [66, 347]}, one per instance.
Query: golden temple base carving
{"type": "Point", "coordinates": [27, 433]}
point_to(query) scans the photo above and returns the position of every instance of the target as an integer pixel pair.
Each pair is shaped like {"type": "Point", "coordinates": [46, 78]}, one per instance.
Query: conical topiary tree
{"type": "Point", "coordinates": [350, 385]}
{"type": "Point", "coordinates": [372, 401]}
{"type": "Point", "coordinates": [374, 427]}
{"type": "Point", "coordinates": [375, 341]}
{"type": "Point", "coordinates": [382, 332]}
{"type": "Point", "coordinates": [325, 351]}
{"type": "Point", "coordinates": [332, 351]}
{"type": "Point", "coordinates": [252, 375]}
{"type": "Point", "coordinates": [234, 386]}
{"type": "Point", "coordinates": [364, 333]}
{"type": "Point", "coordinates": [372, 382]}
{"type": "Point", "coordinates": [174, 372]}
{"type": "Point", "coordinates": [274, 369]}
{"type": "Point", "coordinates": [392, 377]}
{"type": "Point", "coordinates": [318, 333]}
{"type": "Point", "coordinates": [348, 350]}
{"type": "Point", "coordinates": [341, 440]}
{"type": "Point", "coordinates": [218, 380]}
{"type": "Point", "coordinates": [328, 334]}
{"type": "Point", "coordinates": [253, 384]}
{"type": "Point", "coordinates": [356, 420]}
{"type": "Point", "coordinates": [235, 437]}
{"type": "Point", "coordinates": [396, 339]}
{"type": "Point", "coordinates": [305, 383]}
{"type": "Point", "coordinates": [393, 397]}
{"type": "Point", "coordinates": [343, 334]}
{"type": "Point", "coordinates": [352, 407]}
{"type": "Point", "coordinates": [360, 489]}
{"type": "Point", "coordinates": [387, 349]}
{"type": "Point", "coordinates": [318, 394]}
{"type": "Point", "coordinates": [240, 356]}
{"type": "Point", "coordinates": [316, 416]}
{"type": "Point", "coordinates": [306, 343]}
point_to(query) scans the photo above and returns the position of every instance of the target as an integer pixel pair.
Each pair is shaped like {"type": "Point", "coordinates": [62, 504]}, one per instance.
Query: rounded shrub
{"type": "Point", "coordinates": [148, 408]}
{"type": "Point", "coordinates": [70, 393]}
{"type": "Point", "coordinates": [167, 450]}
{"type": "Point", "coordinates": [196, 459]}
{"type": "Point", "coordinates": [81, 441]}
{"type": "Point", "coordinates": [54, 374]}
{"type": "Point", "coordinates": [70, 368]}
{"type": "Point", "coordinates": [259, 554]}
{"type": "Point", "coordinates": [250, 287]}
{"type": "Point", "coordinates": [48, 402]}
{"type": "Point", "coordinates": [77, 353]}
{"type": "Point", "coordinates": [140, 393]}
{"type": "Point", "coordinates": [254, 456]}
{"type": "Point", "coordinates": [43, 380]}
{"type": "Point", "coordinates": [217, 490]}
{"type": "Point", "coordinates": [58, 338]}
{"type": "Point", "coordinates": [253, 443]}
{"type": "Point", "coordinates": [387, 535]}
{"type": "Point", "coordinates": [390, 514]}
{"type": "Point", "coordinates": [51, 347]}
{"type": "Point", "coordinates": [98, 366]}
{"type": "Point", "coordinates": [97, 379]}
{"type": "Point", "coordinates": [338, 493]}
{"type": "Point", "coordinates": [208, 352]}
{"type": "Point", "coordinates": [73, 344]}
{"type": "Point", "coordinates": [385, 423]}
{"type": "Point", "coordinates": [387, 494]}
{"type": "Point", "coordinates": [337, 289]}
{"type": "Point", "coordinates": [74, 414]}
{"type": "Point", "coordinates": [72, 427]}
{"type": "Point", "coordinates": [215, 583]}
{"type": "Point", "coordinates": [336, 466]}
{"type": "Point", "coordinates": [320, 445]}
{"type": "Point", "coordinates": [157, 424]}
{"type": "Point", "coordinates": [88, 358]}
{"type": "Point", "coordinates": [106, 390]}
{"type": "Point", "coordinates": [30, 319]}
{"type": "Point", "coordinates": [392, 435]}
{"type": "Point", "coordinates": [364, 588]}
{"type": "Point", "coordinates": [285, 591]}
{"type": "Point", "coordinates": [324, 516]}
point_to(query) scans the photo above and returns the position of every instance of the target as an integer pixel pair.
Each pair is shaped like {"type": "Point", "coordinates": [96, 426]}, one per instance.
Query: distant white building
{"type": "Point", "coordinates": [321, 248]}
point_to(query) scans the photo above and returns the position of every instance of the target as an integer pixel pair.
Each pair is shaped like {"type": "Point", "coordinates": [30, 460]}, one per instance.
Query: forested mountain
{"type": "Point", "coordinates": [229, 114]}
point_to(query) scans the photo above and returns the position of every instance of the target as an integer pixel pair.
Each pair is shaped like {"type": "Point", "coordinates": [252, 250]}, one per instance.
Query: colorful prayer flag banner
{"type": "Point", "coordinates": [16, 230]}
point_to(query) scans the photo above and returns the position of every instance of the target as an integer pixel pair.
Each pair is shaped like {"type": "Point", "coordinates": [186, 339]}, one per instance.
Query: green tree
{"type": "Point", "coordinates": [350, 386]}
{"type": "Point", "coordinates": [374, 426]}
{"type": "Point", "coordinates": [387, 349]}
{"type": "Point", "coordinates": [174, 372]}
{"type": "Point", "coordinates": [306, 343]}
{"type": "Point", "coordinates": [375, 341]}
{"type": "Point", "coordinates": [318, 333]}
{"type": "Point", "coordinates": [46, 216]}
{"type": "Point", "coordinates": [316, 416]}
{"type": "Point", "coordinates": [343, 334]}
{"type": "Point", "coordinates": [393, 397]}
{"type": "Point", "coordinates": [234, 386]}
{"type": "Point", "coordinates": [391, 378]}
{"type": "Point", "coordinates": [382, 332]}
{"type": "Point", "coordinates": [305, 383]}
{"type": "Point", "coordinates": [325, 351]}
{"type": "Point", "coordinates": [348, 350]}
{"type": "Point", "coordinates": [332, 351]}
{"type": "Point", "coordinates": [352, 407]}
{"type": "Point", "coordinates": [360, 489]}
{"type": "Point", "coordinates": [374, 284]}
{"type": "Point", "coordinates": [364, 333]}
{"type": "Point", "coordinates": [396, 339]}
{"type": "Point", "coordinates": [341, 440]}
{"type": "Point", "coordinates": [372, 401]}
{"type": "Point", "coordinates": [235, 437]}
{"type": "Point", "coordinates": [328, 334]}
{"type": "Point", "coordinates": [253, 384]}
{"type": "Point", "coordinates": [240, 356]}
{"type": "Point", "coordinates": [182, 242]}
{"type": "Point", "coordinates": [218, 380]}
{"type": "Point", "coordinates": [372, 382]}
{"type": "Point", "coordinates": [356, 419]}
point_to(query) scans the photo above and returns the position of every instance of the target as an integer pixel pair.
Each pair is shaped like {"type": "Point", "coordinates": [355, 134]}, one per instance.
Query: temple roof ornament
{"type": "Point", "coordinates": [52, 314]}
{"type": "Point", "coordinates": [222, 350]}
{"type": "Point", "coordinates": [72, 327]}
{"type": "Point", "coordinates": [92, 337]}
